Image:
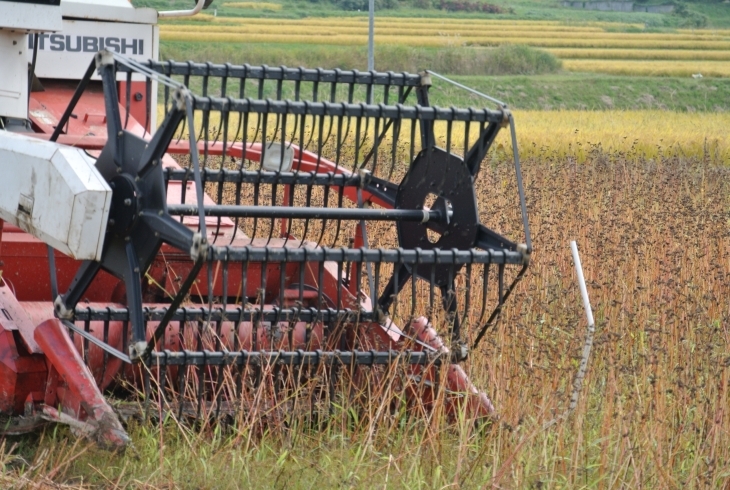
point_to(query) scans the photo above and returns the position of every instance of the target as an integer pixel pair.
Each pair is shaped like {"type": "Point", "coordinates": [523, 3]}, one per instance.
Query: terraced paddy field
{"type": "Point", "coordinates": [599, 47]}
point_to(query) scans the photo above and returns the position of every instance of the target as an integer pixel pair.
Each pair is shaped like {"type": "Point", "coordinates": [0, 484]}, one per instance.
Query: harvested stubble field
{"type": "Point", "coordinates": [655, 243]}
{"type": "Point", "coordinates": [595, 47]}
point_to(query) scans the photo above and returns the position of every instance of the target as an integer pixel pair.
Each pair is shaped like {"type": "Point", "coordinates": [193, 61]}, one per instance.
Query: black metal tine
{"type": "Point", "coordinates": [282, 288]}
{"type": "Point", "coordinates": [264, 274]}
{"type": "Point", "coordinates": [290, 190]}
{"type": "Point", "coordinates": [125, 334]}
{"type": "Point", "coordinates": [201, 387]}
{"type": "Point", "coordinates": [338, 142]}
{"type": "Point", "coordinates": [350, 92]}
{"type": "Point", "coordinates": [324, 220]}
{"type": "Point", "coordinates": [302, 125]}
{"type": "Point", "coordinates": [147, 392]}
{"type": "Point", "coordinates": [298, 85]}
{"type": "Point", "coordinates": [257, 186]}
{"type": "Point", "coordinates": [105, 338]}
{"type": "Point", "coordinates": [333, 90]}
{"type": "Point", "coordinates": [358, 280]}
{"type": "Point", "coordinates": [166, 89]}
{"type": "Point", "coordinates": [448, 294]}
{"type": "Point", "coordinates": [181, 382]}
{"type": "Point", "coordinates": [279, 83]}
{"type": "Point", "coordinates": [219, 198]}
{"type": "Point", "coordinates": [218, 389]}
{"type": "Point", "coordinates": [275, 185]}
{"type": "Point", "coordinates": [467, 292]}
{"type": "Point", "coordinates": [357, 143]}
{"type": "Point", "coordinates": [449, 127]}
{"type": "Point", "coordinates": [431, 290]}
{"type": "Point", "coordinates": [307, 204]}
{"type": "Point", "coordinates": [148, 104]}
{"type": "Point", "coordinates": [467, 128]}
{"type": "Point", "coordinates": [340, 199]}
{"type": "Point", "coordinates": [320, 287]}
{"type": "Point", "coordinates": [87, 328]}
{"type": "Point", "coordinates": [364, 138]}
{"type": "Point", "coordinates": [414, 296]}
{"type": "Point", "coordinates": [396, 272]}
{"type": "Point", "coordinates": [204, 127]}
{"type": "Point", "coordinates": [128, 99]}
{"type": "Point", "coordinates": [238, 389]}
{"type": "Point", "coordinates": [307, 145]}
{"type": "Point", "coordinates": [323, 142]}
{"type": "Point", "coordinates": [240, 126]}
{"type": "Point", "coordinates": [301, 279]}
{"type": "Point", "coordinates": [394, 148]}
{"type": "Point", "coordinates": [500, 279]}
{"type": "Point", "coordinates": [242, 89]}
{"type": "Point", "coordinates": [290, 141]}
{"type": "Point", "coordinates": [162, 381]}
{"type": "Point", "coordinates": [244, 283]}
{"type": "Point", "coordinates": [261, 83]}
{"type": "Point", "coordinates": [412, 144]}
{"type": "Point", "coordinates": [338, 299]}
{"type": "Point", "coordinates": [485, 291]}
{"type": "Point", "coordinates": [315, 87]}
{"type": "Point", "coordinates": [376, 145]}
{"type": "Point", "coordinates": [320, 143]}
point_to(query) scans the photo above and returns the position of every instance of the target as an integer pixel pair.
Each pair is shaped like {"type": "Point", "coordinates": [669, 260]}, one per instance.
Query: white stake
{"type": "Point", "coordinates": [580, 375]}
{"type": "Point", "coordinates": [583, 367]}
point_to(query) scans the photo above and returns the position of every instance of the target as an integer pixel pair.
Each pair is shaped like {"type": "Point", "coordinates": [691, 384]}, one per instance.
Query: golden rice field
{"type": "Point", "coordinates": [594, 47]}
{"type": "Point", "coordinates": [577, 135]}
{"type": "Point", "coordinates": [254, 5]}
{"type": "Point", "coordinates": [646, 134]}
{"type": "Point", "coordinates": [676, 68]}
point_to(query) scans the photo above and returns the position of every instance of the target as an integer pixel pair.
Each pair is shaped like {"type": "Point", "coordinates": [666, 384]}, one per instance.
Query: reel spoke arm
{"type": "Point", "coordinates": [394, 286]}
{"type": "Point", "coordinates": [133, 283]}
{"type": "Point", "coordinates": [448, 298]}
{"type": "Point", "coordinates": [476, 154]}
{"type": "Point", "coordinates": [105, 65]}
{"type": "Point", "coordinates": [498, 309]}
{"type": "Point", "coordinates": [174, 305]}
{"type": "Point", "coordinates": [168, 230]}
{"type": "Point", "coordinates": [488, 239]}
{"type": "Point", "coordinates": [161, 140]}
{"type": "Point", "coordinates": [64, 305]}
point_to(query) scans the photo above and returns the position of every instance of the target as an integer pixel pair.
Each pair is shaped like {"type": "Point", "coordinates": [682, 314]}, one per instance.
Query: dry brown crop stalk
{"type": "Point", "coordinates": [655, 245]}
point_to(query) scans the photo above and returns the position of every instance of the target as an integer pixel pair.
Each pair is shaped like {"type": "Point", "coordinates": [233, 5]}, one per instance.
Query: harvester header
{"type": "Point", "coordinates": [280, 228]}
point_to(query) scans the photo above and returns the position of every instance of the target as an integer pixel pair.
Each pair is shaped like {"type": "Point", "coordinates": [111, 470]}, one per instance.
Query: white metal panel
{"type": "Point", "coordinates": [14, 77]}
{"type": "Point", "coordinates": [110, 10]}
{"type": "Point", "coordinates": [55, 193]}
{"type": "Point", "coordinates": [67, 54]}
{"type": "Point", "coordinates": [30, 17]}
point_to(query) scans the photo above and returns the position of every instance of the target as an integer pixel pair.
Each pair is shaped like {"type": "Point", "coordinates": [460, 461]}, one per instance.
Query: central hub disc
{"type": "Point", "coordinates": [124, 206]}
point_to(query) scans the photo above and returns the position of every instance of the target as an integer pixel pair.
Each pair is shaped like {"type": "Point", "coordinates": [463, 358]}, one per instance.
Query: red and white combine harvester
{"type": "Point", "coordinates": [254, 237]}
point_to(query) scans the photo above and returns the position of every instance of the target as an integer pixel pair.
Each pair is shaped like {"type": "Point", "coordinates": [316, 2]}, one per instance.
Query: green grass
{"type": "Point", "coordinates": [597, 92]}
{"type": "Point", "coordinates": [507, 59]}
{"type": "Point", "coordinates": [541, 92]}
